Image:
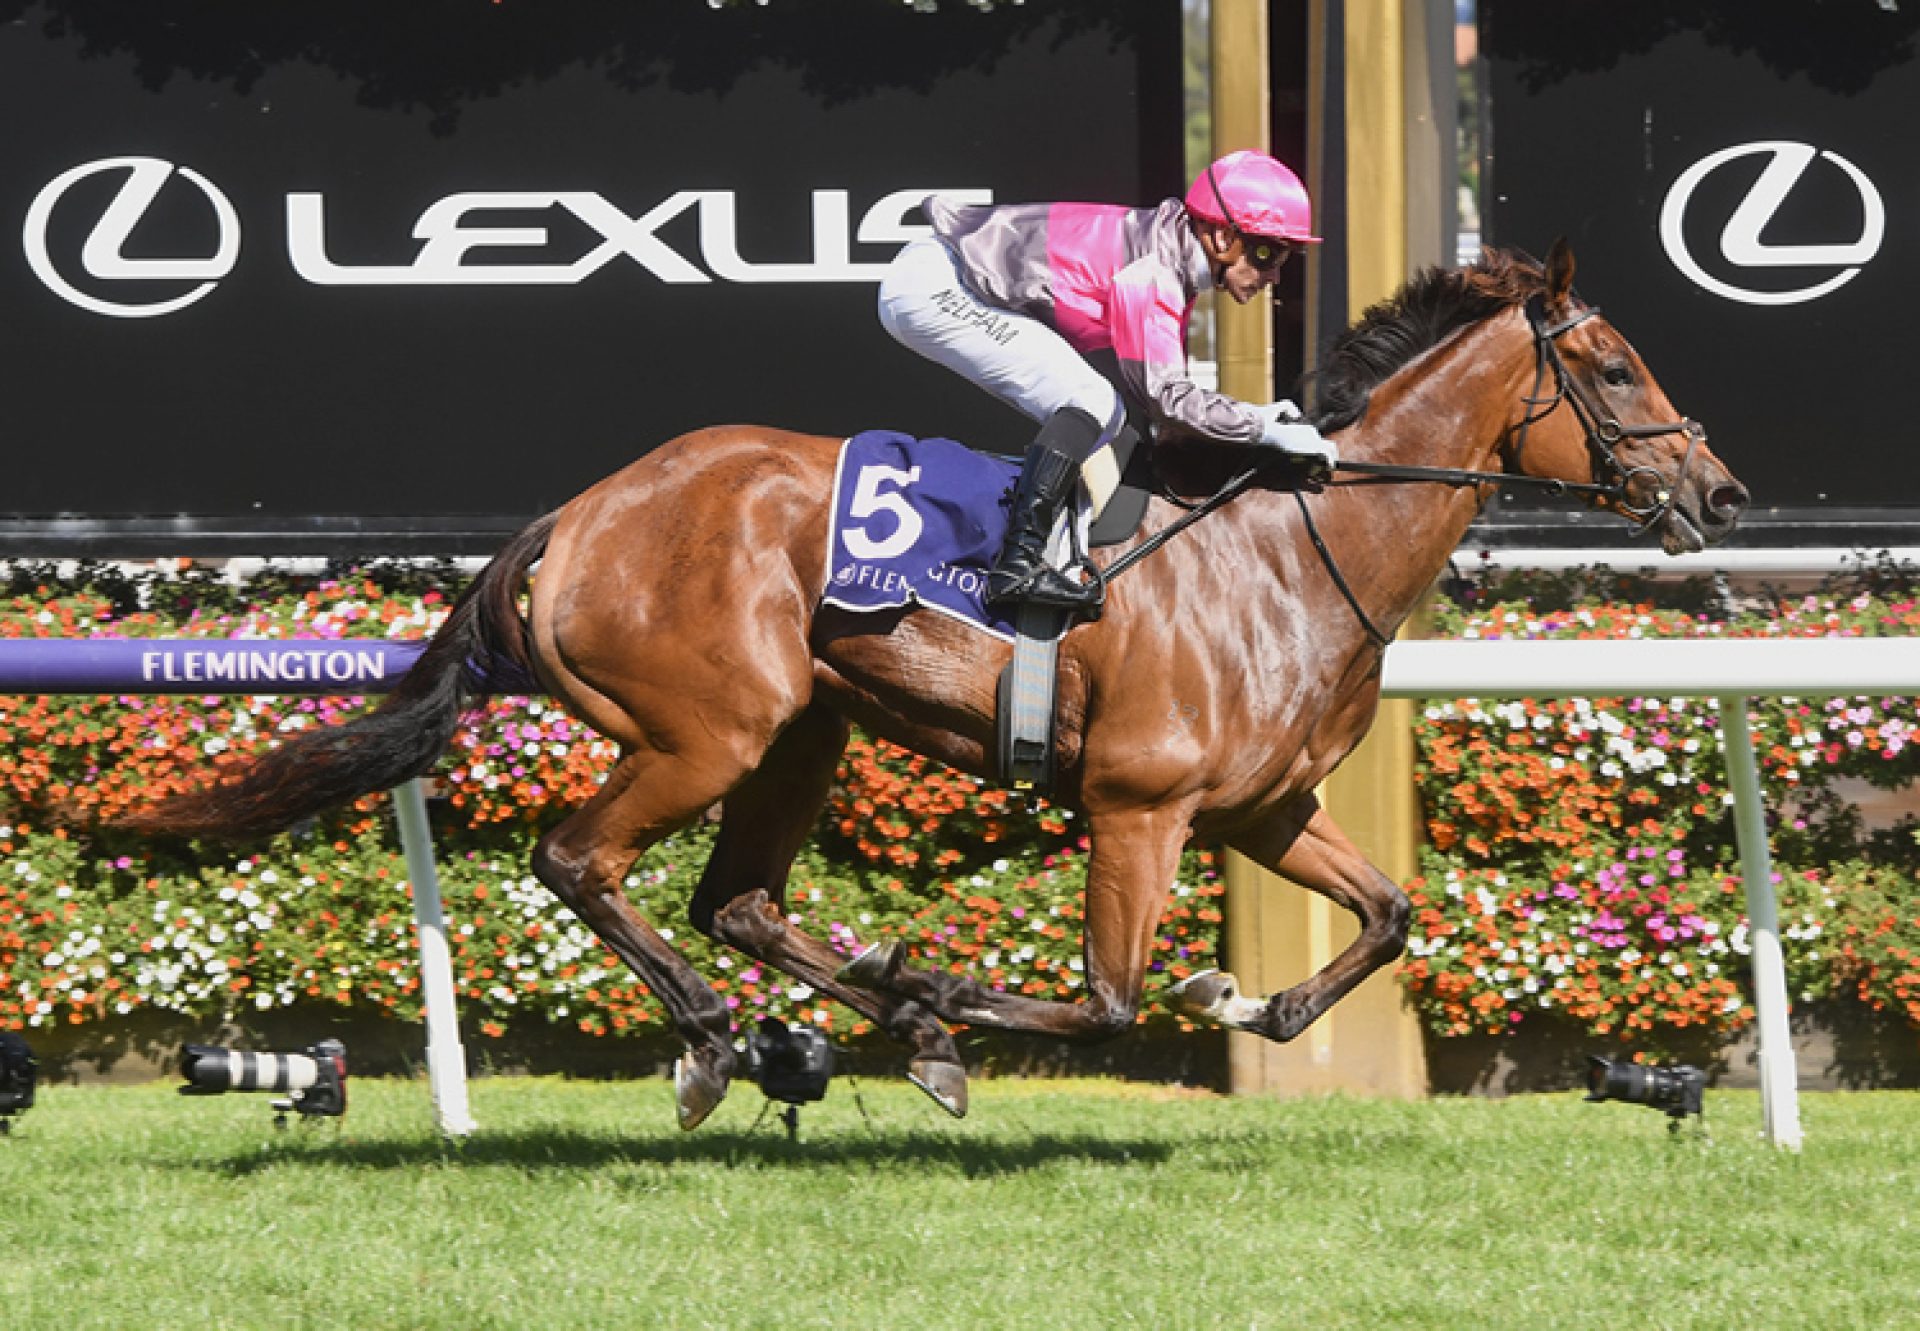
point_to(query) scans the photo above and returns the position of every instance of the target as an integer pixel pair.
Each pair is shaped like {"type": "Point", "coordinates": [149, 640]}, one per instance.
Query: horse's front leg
{"type": "Point", "coordinates": [1305, 845]}
{"type": "Point", "coordinates": [1129, 874]}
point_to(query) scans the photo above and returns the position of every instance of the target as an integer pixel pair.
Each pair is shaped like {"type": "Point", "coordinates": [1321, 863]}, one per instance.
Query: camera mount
{"type": "Point", "coordinates": [791, 1066]}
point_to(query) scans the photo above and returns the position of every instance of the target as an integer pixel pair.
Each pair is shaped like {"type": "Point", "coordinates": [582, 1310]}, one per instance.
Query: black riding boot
{"type": "Point", "coordinates": [1022, 573]}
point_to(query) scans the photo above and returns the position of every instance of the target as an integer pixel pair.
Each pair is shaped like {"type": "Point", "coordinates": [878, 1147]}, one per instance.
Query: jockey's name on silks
{"type": "Point", "coordinates": [917, 521]}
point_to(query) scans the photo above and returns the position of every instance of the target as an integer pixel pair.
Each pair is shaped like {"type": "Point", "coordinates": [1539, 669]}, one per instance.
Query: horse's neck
{"type": "Point", "coordinates": [1448, 410]}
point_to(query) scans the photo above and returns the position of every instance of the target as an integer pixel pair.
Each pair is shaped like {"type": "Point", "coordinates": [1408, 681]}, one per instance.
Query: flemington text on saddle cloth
{"type": "Point", "coordinates": [917, 521]}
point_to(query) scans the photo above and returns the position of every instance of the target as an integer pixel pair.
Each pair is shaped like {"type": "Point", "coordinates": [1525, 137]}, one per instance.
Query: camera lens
{"type": "Point", "coordinates": [1618, 1081]}
{"type": "Point", "coordinates": [1677, 1090]}
{"type": "Point", "coordinates": [213, 1071]}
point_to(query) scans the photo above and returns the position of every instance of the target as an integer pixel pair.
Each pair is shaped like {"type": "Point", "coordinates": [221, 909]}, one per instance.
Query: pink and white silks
{"type": "Point", "coordinates": [1014, 298]}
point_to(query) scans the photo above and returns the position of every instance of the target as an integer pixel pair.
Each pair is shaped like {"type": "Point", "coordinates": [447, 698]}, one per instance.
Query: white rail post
{"type": "Point", "coordinates": [446, 1060]}
{"type": "Point", "coordinates": [1779, 1094]}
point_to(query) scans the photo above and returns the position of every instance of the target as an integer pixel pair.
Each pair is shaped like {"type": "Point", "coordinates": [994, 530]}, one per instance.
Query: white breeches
{"type": "Point", "coordinates": [926, 306]}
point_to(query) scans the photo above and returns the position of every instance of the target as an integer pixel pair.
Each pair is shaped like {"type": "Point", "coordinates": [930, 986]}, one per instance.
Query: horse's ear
{"type": "Point", "coordinates": [1559, 273]}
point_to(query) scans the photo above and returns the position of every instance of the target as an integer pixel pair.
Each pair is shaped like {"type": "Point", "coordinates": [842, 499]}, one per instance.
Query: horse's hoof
{"type": "Point", "coordinates": [945, 1082]}
{"type": "Point", "coordinates": [871, 969]}
{"type": "Point", "coordinates": [1287, 1017]}
{"type": "Point", "coordinates": [1204, 996]}
{"type": "Point", "coordinates": [697, 1091]}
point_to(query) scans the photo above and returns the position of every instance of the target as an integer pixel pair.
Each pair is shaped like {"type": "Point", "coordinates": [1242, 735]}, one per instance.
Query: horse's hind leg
{"type": "Point", "coordinates": [1135, 857]}
{"type": "Point", "coordinates": [742, 895]}
{"type": "Point", "coordinates": [1306, 846]}
{"type": "Point", "coordinates": [585, 860]}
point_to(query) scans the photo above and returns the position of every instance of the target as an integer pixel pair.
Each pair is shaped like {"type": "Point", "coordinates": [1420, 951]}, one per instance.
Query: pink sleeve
{"type": "Point", "coordinates": [1147, 313]}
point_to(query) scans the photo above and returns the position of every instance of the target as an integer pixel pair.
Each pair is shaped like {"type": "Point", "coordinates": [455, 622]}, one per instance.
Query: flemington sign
{"type": "Point", "coordinates": [1731, 177]}
{"type": "Point", "coordinates": [175, 665]}
{"type": "Point", "coordinates": [325, 279]}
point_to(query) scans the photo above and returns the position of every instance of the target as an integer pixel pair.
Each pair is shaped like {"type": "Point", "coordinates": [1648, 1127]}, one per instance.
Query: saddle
{"type": "Point", "coordinates": [1120, 519]}
{"type": "Point", "coordinates": [913, 524]}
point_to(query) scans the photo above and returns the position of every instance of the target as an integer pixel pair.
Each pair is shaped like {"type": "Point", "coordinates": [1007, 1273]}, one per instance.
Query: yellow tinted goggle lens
{"type": "Point", "coordinates": [1266, 253]}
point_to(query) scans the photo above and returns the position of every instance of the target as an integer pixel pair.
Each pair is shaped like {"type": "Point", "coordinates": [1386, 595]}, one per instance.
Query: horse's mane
{"type": "Point", "coordinates": [1432, 305]}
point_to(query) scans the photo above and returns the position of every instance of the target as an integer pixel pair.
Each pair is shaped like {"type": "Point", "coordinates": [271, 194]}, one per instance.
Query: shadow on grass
{"type": "Point", "coordinates": [538, 1150]}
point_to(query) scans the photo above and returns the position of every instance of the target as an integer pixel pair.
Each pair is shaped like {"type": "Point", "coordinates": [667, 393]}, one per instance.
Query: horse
{"type": "Point", "coordinates": [677, 609]}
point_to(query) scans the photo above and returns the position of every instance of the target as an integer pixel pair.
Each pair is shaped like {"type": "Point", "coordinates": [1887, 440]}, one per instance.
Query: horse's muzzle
{"type": "Point", "coordinates": [1703, 513]}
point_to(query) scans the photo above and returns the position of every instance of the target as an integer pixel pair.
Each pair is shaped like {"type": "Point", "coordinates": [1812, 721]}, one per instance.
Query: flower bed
{"type": "Point", "coordinates": [97, 927]}
{"type": "Point", "coordinates": [1580, 873]}
{"type": "Point", "coordinates": [1582, 867]}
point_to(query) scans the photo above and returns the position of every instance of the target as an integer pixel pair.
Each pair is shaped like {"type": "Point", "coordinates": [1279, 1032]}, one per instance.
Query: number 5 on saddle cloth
{"type": "Point", "coordinates": [919, 521]}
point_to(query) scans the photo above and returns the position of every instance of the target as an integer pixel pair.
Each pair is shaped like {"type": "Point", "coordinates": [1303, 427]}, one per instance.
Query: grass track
{"type": "Point", "coordinates": [1057, 1205]}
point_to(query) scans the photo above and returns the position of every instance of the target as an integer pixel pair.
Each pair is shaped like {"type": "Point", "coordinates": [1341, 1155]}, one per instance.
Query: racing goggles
{"type": "Point", "coordinates": [1266, 253]}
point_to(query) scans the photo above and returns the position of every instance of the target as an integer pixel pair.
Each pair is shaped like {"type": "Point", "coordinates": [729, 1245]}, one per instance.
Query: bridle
{"type": "Point", "coordinates": [1603, 432]}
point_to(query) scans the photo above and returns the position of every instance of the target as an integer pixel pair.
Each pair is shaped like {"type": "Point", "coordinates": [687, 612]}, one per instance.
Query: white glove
{"type": "Point", "coordinates": [1299, 440]}
{"type": "Point", "coordinates": [1278, 412]}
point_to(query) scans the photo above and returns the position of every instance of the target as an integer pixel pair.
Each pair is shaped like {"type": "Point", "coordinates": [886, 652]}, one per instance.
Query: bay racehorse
{"type": "Point", "coordinates": [677, 609]}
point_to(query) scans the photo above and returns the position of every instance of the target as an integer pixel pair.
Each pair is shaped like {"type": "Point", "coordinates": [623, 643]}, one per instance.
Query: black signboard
{"type": "Point", "coordinates": [338, 274]}
{"type": "Point", "coordinates": [1739, 187]}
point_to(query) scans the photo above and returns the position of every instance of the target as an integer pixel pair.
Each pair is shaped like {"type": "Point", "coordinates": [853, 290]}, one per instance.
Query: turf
{"type": "Point", "coordinates": [1076, 1204]}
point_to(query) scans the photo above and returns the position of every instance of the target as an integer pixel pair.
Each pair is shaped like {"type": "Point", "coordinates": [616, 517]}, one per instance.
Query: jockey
{"type": "Point", "coordinates": [1013, 298]}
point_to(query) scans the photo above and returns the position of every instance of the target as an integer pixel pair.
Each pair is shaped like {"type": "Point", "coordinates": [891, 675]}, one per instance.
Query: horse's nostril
{"type": "Point", "coordinates": [1727, 501]}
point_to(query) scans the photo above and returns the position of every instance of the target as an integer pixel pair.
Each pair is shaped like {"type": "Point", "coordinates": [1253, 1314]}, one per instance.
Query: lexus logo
{"type": "Point", "coordinates": [449, 230]}
{"type": "Point", "coordinates": [1740, 242]}
{"type": "Point", "coordinates": [104, 254]}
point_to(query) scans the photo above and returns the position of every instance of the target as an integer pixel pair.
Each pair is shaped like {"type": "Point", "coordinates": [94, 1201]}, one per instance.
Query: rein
{"type": "Point", "coordinates": [1387, 473]}
{"type": "Point", "coordinates": [1603, 431]}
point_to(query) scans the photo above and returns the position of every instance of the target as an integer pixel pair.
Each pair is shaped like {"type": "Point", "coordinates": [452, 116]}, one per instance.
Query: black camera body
{"type": "Point", "coordinates": [1676, 1091]}
{"type": "Point", "coordinates": [19, 1073]}
{"type": "Point", "coordinates": [314, 1081]}
{"type": "Point", "coordinates": [791, 1064]}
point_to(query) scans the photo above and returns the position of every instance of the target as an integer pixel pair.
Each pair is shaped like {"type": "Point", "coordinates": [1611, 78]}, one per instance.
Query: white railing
{"type": "Point", "coordinates": [1731, 671]}
{"type": "Point", "coordinates": [1810, 562]}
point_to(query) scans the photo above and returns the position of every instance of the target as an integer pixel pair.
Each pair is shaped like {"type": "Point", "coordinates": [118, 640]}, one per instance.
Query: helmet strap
{"type": "Point", "coordinates": [1213, 182]}
{"type": "Point", "coordinates": [1221, 265]}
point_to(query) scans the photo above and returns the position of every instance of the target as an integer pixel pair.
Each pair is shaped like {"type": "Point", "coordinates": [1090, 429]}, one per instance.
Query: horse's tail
{"type": "Point", "coordinates": [484, 640]}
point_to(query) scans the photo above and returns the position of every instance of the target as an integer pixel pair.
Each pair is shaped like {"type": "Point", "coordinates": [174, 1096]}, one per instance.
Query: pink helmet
{"type": "Point", "coordinates": [1255, 194]}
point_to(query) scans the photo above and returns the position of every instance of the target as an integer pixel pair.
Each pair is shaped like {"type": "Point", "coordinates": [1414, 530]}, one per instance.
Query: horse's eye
{"type": "Point", "coordinates": [1617, 375]}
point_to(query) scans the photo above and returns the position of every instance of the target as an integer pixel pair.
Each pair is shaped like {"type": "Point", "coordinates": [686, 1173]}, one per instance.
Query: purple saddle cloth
{"type": "Point", "coordinates": [917, 521]}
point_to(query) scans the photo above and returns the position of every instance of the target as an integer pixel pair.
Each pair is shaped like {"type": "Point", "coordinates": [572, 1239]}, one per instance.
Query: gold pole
{"type": "Point", "coordinates": [1376, 151]}
{"type": "Point", "coordinates": [1242, 114]}
{"type": "Point", "coordinates": [1372, 794]}
{"type": "Point", "coordinates": [1278, 934]}
{"type": "Point", "coordinates": [1242, 118]}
